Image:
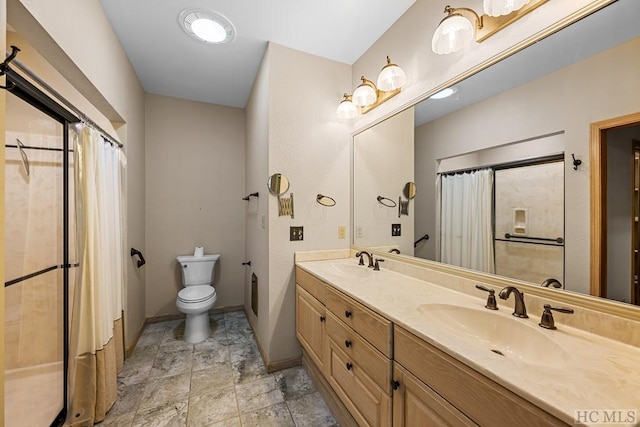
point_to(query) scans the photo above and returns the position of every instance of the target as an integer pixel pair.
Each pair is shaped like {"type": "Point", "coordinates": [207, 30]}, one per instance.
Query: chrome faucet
{"type": "Point", "coordinates": [519, 308]}
{"type": "Point", "coordinates": [552, 282]}
{"type": "Point", "coordinates": [359, 254]}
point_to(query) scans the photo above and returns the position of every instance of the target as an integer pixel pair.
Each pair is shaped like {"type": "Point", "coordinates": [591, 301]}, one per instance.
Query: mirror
{"type": "Point", "coordinates": [537, 103]}
{"type": "Point", "coordinates": [409, 190]}
{"type": "Point", "coordinates": [278, 184]}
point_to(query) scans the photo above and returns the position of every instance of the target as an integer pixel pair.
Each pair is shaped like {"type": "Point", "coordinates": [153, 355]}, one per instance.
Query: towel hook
{"type": "Point", "coordinates": [576, 162]}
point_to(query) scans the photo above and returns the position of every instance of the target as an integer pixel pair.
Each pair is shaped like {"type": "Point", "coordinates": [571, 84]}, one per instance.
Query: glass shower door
{"type": "Point", "coordinates": [35, 289]}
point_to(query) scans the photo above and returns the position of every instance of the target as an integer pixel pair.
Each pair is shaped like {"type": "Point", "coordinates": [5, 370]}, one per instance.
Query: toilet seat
{"type": "Point", "coordinates": [195, 294]}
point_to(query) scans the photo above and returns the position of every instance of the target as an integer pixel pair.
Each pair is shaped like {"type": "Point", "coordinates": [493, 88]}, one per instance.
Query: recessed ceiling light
{"type": "Point", "coordinates": [207, 26]}
{"type": "Point", "coordinates": [444, 93]}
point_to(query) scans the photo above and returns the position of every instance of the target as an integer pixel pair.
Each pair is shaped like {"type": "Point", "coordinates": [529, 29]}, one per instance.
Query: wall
{"type": "Point", "coordinates": [554, 103]}
{"type": "Point", "coordinates": [256, 170]}
{"type": "Point", "coordinates": [620, 211]}
{"type": "Point", "coordinates": [3, 30]}
{"type": "Point", "coordinates": [311, 147]}
{"type": "Point", "coordinates": [382, 165]}
{"type": "Point", "coordinates": [195, 184]}
{"type": "Point", "coordinates": [69, 54]}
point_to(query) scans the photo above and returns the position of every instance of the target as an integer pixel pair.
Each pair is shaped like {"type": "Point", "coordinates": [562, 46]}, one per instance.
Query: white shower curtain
{"type": "Point", "coordinates": [96, 350]}
{"type": "Point", "coordinates": [466, 232]}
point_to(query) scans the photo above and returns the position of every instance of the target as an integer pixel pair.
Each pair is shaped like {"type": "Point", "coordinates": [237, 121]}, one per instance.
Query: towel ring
{"type": "Point", "coordinates": [385, 201]}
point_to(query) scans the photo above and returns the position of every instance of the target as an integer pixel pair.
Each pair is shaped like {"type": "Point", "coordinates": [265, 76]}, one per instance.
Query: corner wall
{"type": "Point", "coordinates": [195, 183]}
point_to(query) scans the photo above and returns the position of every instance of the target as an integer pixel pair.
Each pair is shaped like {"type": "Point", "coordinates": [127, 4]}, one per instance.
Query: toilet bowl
{"type": "Point", "coordinates": [198, 296]}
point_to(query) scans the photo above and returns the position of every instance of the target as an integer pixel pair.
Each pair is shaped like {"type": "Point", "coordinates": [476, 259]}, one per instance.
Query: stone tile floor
{"type": "Point", "coordinates": [219, 382]}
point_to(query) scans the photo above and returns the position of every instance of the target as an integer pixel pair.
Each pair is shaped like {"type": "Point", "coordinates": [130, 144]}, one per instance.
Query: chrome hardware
{"type": "Point", "coordinates": [376, 266]}
{"type": "Point", "coordinates": [547, 321]}
{"type": "Point", "coordinates": [349, 366]}
{"type": "Point", "coordinates": [520, 310]}
{"type": "Point", "coordinates": [347, 314]}
{"type": "Point", "coordinates": [368, 255]}
{"type": "Point", "coordinates": [491, 300]}
{"type": "Point", "coordinates": [347, 343]}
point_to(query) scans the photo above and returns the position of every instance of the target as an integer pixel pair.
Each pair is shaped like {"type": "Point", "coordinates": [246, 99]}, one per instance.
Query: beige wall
{"type": "Point", "coordinates": [557, 102]}
{"type": "Point", "coordinates": [195, 184]}
{"type": "Point", "coordinates": [3, 29]}
{"type": "Point", "coordinates": [69, 53]}
{"type": "Point", "coordinates": [382, 165]}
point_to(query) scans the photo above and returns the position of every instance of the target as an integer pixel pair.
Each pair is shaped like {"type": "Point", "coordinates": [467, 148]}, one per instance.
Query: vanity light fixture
{"type": "Point", "coordinates": [368, 96]}
{"type": "Point", "coordinates": [207, 26]}
{"type": "Point", "coordinates": [462, 25]}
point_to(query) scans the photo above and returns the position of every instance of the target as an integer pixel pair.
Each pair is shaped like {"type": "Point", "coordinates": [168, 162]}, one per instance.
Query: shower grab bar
{"type": "Point", "coordinates": [141, 260]}
{"type": "Point", "coordinates": [539, 239]}
{"type": "Point", "coordinates": [425, 237]}
{"type": "Point", "coordinates": [37, 273]}
{"type": "Point", "coordinates": [30, 147]}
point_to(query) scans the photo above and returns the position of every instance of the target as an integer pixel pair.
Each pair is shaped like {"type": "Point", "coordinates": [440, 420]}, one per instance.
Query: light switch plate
{"type": "Point", "coordinates": [396, 230]}
{"type": "Point", "coordinates": [342, 232]}
{"type": "Point", "coordinates": [296, 234]}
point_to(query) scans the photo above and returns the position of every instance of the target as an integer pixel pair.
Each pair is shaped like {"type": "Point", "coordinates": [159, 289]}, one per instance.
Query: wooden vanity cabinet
{"type": "Point", "coordinates": [416, 405]}
{"type": "Point", "coordinates": [310, 326]}
{"type": "Point", "coordinates": [482, 400]}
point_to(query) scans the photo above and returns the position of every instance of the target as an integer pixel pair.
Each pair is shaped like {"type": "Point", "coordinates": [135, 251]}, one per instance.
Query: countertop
{"type": "Point", "coordinates": [587, 372]}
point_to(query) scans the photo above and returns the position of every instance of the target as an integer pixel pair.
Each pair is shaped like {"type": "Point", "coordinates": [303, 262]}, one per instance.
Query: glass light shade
{"type": "Point", "coordinates": [454, 33]}
{"type": "Point", "coordinates": [209, 30]}
{"type": "Point", "coordinates": [346, 109]}
{"type": "Point", "coordinates": [502, 7]}
{"type": "Point", "coordinates": [391, 77]}
{"type": "Point", "coordinates": [365, 94]}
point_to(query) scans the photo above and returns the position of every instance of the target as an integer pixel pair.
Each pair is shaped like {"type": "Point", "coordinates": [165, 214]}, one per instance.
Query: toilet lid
{"type": "Point", "coordinates": [196, 293]}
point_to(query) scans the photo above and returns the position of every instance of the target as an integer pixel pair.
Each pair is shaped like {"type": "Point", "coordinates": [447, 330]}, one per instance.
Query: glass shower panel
{"type": "Point", "coordinates": [34, 285]}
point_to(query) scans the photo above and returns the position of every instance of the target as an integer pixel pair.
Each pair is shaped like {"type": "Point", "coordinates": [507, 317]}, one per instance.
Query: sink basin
{"type": "Point", "coordinates": [351, 271]}
{"type": "Point", "coordinates": [504, 335]}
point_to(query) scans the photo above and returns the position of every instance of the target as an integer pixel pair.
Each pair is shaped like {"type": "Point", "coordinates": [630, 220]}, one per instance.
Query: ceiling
{"type": "Point", "coordinates": [169, 62]}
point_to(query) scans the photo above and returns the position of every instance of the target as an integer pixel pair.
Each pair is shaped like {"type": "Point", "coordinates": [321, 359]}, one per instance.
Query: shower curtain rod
{"type": "Point", "coordinates": [83, 117]}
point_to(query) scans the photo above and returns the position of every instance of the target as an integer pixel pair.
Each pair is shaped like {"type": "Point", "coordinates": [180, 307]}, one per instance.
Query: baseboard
{"type": "Point", "coordinates": [178, 316]}
{"type": "Point", "coordinates": [129, 349]}
{"type": "Point", "coordinates": [335, 405]}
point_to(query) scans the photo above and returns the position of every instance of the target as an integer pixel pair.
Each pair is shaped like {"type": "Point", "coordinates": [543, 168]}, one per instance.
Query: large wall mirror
{"type": "Point", "coordinates": [523, 119]}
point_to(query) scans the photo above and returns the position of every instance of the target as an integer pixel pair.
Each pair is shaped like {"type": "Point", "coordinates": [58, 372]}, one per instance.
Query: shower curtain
{"type": "Point", "coordinates": [466, 231]}
{"type": "Point", "coordinates": [96, 351]}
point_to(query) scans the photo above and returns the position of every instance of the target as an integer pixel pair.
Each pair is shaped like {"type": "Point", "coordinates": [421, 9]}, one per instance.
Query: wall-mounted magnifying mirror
{"type": "Point", "coordinates": [409, 190]}
{"type": "Point", "coordinates": [278, 184]}
{"type": "Point", "coordinates": [325, 200]}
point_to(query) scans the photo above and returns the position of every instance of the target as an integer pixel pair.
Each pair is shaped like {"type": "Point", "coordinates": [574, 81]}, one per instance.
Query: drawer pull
{"type": "Point", "coordinates": [322, 318]}
{"type": "Point", "coordinates": [347, 343]}
{"type": "Point", "coordinates": [347, 314]}
{"type": "Point", "coordinates": [349, 366]}
{"type": "Point", "coordinates": [395, 384]}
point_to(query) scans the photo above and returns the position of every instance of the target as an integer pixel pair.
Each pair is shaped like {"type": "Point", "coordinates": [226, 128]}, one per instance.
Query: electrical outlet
{"type": "Point", "coordinates": [396, 230]}
{"type": "Point", "coordinates": [295, 234]}
{"type": "Point", "coordinates": [342, 232]}
{"type": "Point", "coordinates": [359, 232]}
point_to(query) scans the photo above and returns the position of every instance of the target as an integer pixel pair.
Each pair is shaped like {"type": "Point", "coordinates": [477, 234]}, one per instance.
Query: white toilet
{"type": "Point", "coordinates": [198, 296]}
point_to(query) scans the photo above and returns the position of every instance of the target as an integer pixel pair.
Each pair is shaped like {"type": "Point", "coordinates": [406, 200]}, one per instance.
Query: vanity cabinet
{"type": "Point", "coordinates": [358, 365]}
{"type": "Point", "coordinates": [480, 399]}
{"type": "Point", "coordinates": [311, 317]}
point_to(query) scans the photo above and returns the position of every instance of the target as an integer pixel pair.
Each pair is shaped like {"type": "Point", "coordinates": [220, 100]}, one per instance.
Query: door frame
{"type": "Point", "coordinates": [598, 198]}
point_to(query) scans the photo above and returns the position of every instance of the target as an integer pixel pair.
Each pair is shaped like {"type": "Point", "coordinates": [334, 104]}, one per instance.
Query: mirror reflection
{"type": "Point", "coordinates": [278, 184]}
{"type": "Point", "coordinates": [522, 119]}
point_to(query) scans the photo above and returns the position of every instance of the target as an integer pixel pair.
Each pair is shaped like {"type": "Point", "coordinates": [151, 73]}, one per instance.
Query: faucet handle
{"type": "Point", "coordinates": [376, 266]}
{"type": "Point", "coordinates": [547, 321]}
{"type": "Point", "coordinates": [361, 260]}
{"type": "Point", "coordinates": [491, 300]}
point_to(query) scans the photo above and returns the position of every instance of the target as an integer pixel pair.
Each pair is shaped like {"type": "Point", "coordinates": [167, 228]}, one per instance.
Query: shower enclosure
{"type": "Point", "coordinates": [39, 259]}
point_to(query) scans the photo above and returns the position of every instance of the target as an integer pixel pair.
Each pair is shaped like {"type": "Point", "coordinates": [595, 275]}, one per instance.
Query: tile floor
{"type": "Point", "coordinates": [220, 382]}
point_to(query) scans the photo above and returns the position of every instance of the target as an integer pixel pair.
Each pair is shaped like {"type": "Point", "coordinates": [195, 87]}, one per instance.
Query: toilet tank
{"type": "Point", "coordinates": [197, 270]}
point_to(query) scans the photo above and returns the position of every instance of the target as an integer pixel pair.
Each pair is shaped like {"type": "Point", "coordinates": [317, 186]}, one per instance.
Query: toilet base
{"type": "Point", "coordinates": [197, 328]}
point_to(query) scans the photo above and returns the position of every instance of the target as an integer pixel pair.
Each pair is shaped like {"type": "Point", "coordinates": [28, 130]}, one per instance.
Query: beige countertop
{"type": "Point", "coordinates": [582, 371]}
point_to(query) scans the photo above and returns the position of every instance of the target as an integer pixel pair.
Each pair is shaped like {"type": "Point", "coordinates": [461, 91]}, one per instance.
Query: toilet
{"type": "Point", "coordinates": [198, 296]}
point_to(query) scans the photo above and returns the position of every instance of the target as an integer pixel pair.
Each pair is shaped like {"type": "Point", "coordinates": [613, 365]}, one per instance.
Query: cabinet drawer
{"type": "Point", "coordinates": [368, 404]}
{"type": "Point", "coordinates": [370, 325]}
{"type": "Point", "coordinates": [311, 284]}
{"type": "Point", "coordinates": [481, 399]}
{"type": "Point", "coordinates": [375, 364]}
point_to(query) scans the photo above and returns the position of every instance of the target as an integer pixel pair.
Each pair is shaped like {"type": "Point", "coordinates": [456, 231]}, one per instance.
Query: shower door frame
{"type": "Point", "coordinates": [28, 92]}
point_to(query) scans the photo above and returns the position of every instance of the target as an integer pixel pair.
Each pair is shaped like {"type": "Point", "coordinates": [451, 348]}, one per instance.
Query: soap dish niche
{"type": "Point", "coordinates": [520, 221]}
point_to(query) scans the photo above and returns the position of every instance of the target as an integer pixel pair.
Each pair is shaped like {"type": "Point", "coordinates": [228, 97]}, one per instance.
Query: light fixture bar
{"type": "Point", "coordinates": [382, 98]}
{"type": "Point", "coordinates": [492, 25]}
